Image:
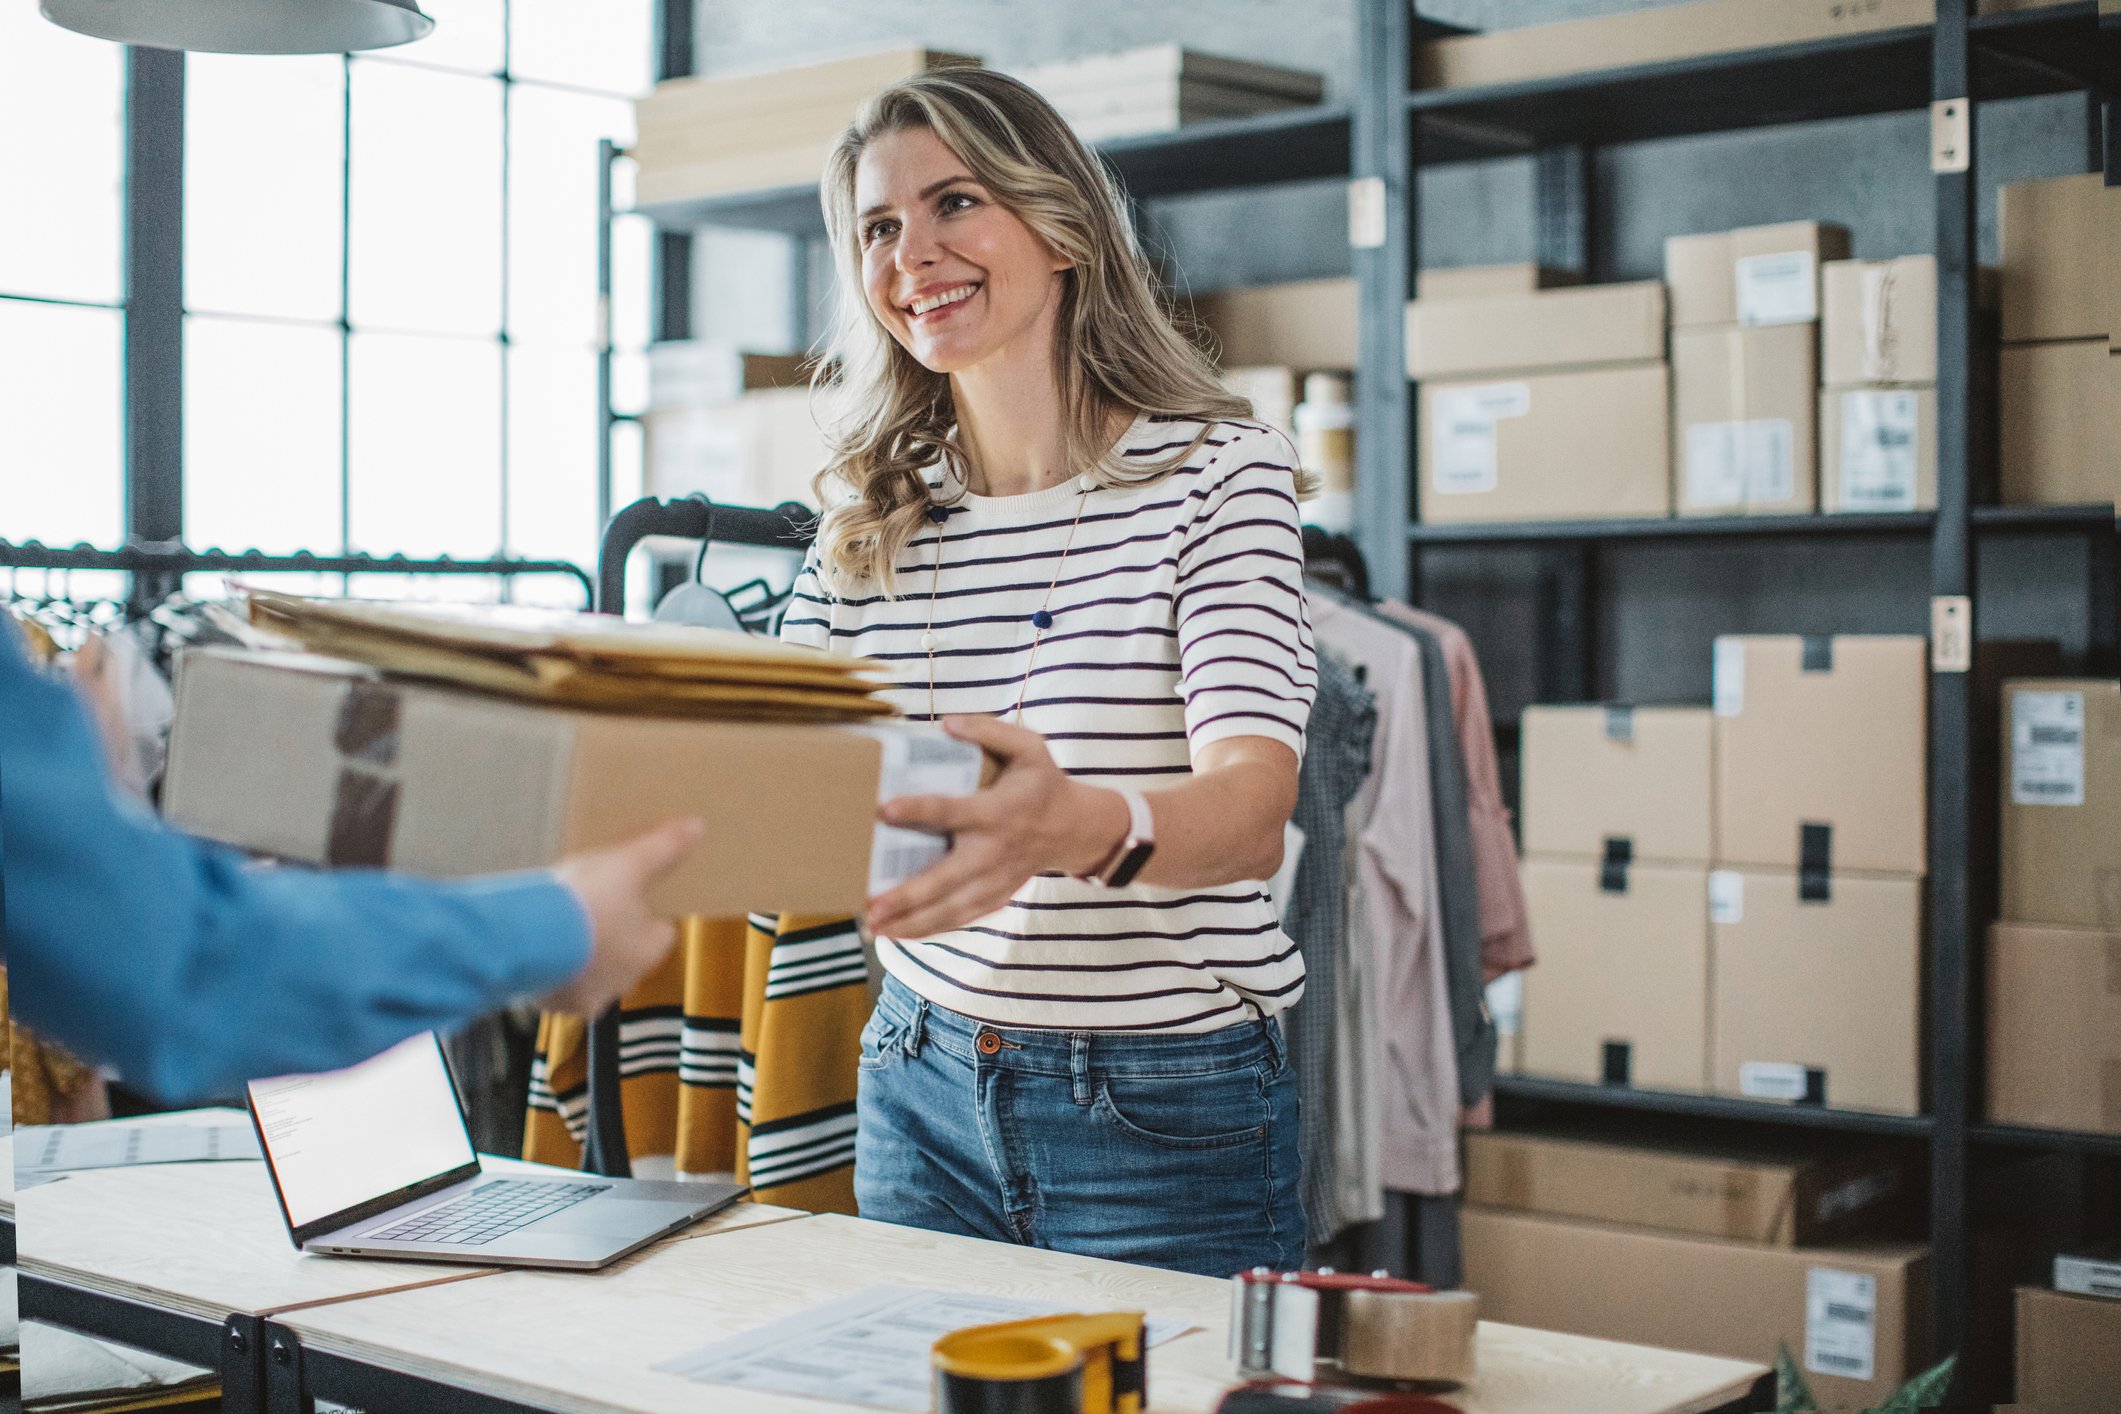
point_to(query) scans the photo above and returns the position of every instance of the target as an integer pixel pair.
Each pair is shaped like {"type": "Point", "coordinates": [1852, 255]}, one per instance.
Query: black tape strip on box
{"type": "Point", "coordinates": [1617, 1063]}
{"type": "Point", "coordinates": [364, 800]}
{"type": "Point", "coordinates": [1818, 653]}
{"type": "Point", "coordinates": [1814, 1085]}
{"type": "Point", "coordinates": [1815, 862]}
{"type": "Point", "coordinates": [1613, 867]}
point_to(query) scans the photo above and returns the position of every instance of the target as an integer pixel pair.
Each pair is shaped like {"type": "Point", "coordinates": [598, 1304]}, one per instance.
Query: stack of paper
{"type": "Point", "coordinates": [582, 660]}
{"type": "Point", "coordinates": [1163, 87]}
{"type": "Point", "coordinates": [700, 137]}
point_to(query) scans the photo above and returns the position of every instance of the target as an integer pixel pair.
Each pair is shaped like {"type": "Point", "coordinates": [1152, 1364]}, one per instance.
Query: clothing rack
{"type": "Point", "coordinates": [788, 527]}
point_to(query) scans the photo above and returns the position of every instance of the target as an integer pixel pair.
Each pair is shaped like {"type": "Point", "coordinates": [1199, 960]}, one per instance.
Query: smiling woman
{"type": "Point", "coordinates": [1070, 545]}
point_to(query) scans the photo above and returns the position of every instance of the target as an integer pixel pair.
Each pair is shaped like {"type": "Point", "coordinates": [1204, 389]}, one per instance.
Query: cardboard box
{"type": "Point", "coordinates": [1652, 36]}
{"type": "Point", "coordinates": [2061, 424]}
{"type": "Point", "coordinates": [1305, 324]}
{"type": "Point", "coordinates": [1591, 324]}
{"type": "Point", "coordinates": [1480, 281]}
{"type": "Point", "coordinates": [1620, 992]}
{"type": "Point", "coordinates": [261, 758]}
{"type": "Point", "coordinates": [2054, 1027]}
{"type": "Point", "coordinates": [1639, 775]}
{"type": "Point", "coordinates": [1817, 1000]}
{"type": "Point", "coordinates": [1855, 1318]}
{"type": "Point", "coordinates": [760, 449]}
{"type": "Point", "coordinates": [1877, 450]}
{"type": "Point", "coordinates": [1755, 275]}
{"type": "Point", "coordinates": [688, 373]}
{"type": "Point", "coordinates": [1821, 748]}
{"type": "Point", "coordinates": [2069, 1353]}
{"type": "Point", "coordinates": [2062, 802]}
{"type": "Point", "coordinates": [1584, 445]}
{"type": "Point", "coordinates": [1880, 321]}
{"type": "Point", "coordinates": [1744, 408]}
{"type": "Point", "coordinates": [1759, 1194]}
{"type": "Point", "coordinates": [2061, 252]}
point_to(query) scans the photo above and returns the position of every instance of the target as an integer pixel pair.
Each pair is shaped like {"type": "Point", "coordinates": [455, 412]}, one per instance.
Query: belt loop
{"type": "Point", "coordinates": [916, 1028]}
{"type": "Point", "coordinates": [1079, 1066]}
{"type": "Point", "coordinates": [1277, 1044]}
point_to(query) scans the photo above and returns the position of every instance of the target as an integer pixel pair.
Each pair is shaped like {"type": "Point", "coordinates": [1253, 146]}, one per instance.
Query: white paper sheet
{"type": "Point", "coordinates": [59, 1148]}
{"type": "Point", "coordinates": [870, 1348]}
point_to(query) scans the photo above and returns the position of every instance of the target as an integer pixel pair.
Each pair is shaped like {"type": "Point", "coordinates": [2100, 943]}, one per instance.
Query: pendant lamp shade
{"type": "Point", "coordinates": [246, 26]}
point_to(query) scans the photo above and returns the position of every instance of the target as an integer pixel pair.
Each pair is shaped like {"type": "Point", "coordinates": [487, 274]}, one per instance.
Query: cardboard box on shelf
{"type": "Point", "coordinates": [1879, 322]}
{"type": "Point", "coordinates": [1821, 759]}
{"type": "Point", "coordinates": [2061, 423]}
{"type": "Point", "coordinates": [1639, 775]}
{"type": "Point", "coordinates": [1569, 328]}
{"type": "Point", "coordinates": [1744, 410]}
{"type": "Point", "coordinates": [1480, 281]}
{"type": "Point", "coordinates": [1304, 323]}
{"type": "Point", "coordinates": [1877, 450]}
{"type": "Point", "coordinates": [759, 449]}
{"type": "Point", "coordinates": [1273, 390]}
{"type": "Point", "coordinates": [2061, 254]}
{"type": "Point", "coordinates": [1854, 1317]}
{"type": "Point", "coordinates": [1755, 275]}
{"type": "Point", "coordinates": [2062, 802]}
{"type": "Point", "coordinates": [1780, 1196]}
{"type": "Point", "coordinates": [1588, 444]}
{"type": "Point", "coordinates": [260, 757]}
{"type": "Point", "coordinates": [685, 373]}
{"type": "Point", "coordinates": [2069, 1353]}
{"type": "Point", "coordinates": [1817, 999]}
{"type": "Point", "coordinates": [2054, 1027]}
{"type": "Point", "coordinates": [1620, 993]}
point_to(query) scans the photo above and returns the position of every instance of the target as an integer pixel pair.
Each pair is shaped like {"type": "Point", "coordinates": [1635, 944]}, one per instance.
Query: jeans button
{"type": "Point", "coordinates": [987, 1043]}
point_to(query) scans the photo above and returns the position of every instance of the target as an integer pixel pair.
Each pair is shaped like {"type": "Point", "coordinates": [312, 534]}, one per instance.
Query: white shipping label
{"type": "Point", "coordinates": [1840, 1323]}
{"type": "Point", "coordinates": [2088, 1276]}
{"type": "Point", "coordinates": [916, 763]}
{"type": "Point", "coordinates": [1878, 451]}
{"type": "Point", "coordinates": [2047, 748]}
{"type": "Point", "coordinates": [1781, 288]}
{"type": "Point", "coordinates": [1727, 897]}
{"type": "Point", "coordinates": [1714, 479]}
{"type": "Point", "coordinates": [1462, 443]}
{"type": "Point", "coordinates": [1729, 677]}
{"type": "Point", "coordinates": [1771, 1080]}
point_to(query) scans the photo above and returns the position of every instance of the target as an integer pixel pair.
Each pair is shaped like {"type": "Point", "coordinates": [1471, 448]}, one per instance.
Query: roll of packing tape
{"type": "Point", "coordinates": [1076, 1364]}
{"type": "Point", "coordinates": [1300, 1325]}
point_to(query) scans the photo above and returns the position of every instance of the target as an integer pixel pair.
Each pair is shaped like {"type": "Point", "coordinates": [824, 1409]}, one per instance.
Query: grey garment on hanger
{"type": "Point", "coordinates": [1336, 759]}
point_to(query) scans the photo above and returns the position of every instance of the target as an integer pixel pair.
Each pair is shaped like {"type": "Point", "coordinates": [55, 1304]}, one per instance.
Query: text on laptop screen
{"type": "Point", "coordinates": [340, 1139]}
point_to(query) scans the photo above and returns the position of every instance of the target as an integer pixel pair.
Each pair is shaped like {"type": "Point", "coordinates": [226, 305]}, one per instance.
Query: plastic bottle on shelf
{"type": "Point", "coordinates": [1325, 440]}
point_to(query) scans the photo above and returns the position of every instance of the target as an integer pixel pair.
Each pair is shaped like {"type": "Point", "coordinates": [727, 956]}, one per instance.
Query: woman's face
{"type": "Point", "coordinates": [955, 276]}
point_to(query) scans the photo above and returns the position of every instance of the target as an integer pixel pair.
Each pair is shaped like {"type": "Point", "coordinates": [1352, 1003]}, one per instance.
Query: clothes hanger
{"type": "Point", "coordinates": [695, 602]}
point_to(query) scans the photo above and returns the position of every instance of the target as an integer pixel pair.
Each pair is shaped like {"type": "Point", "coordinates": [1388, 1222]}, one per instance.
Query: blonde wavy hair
{"type": "Point", "coordinates": [1118, 349]}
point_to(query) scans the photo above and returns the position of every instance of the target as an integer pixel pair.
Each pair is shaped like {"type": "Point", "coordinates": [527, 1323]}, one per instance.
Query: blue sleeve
{"type": "Point", "coordinates": [188, 971]}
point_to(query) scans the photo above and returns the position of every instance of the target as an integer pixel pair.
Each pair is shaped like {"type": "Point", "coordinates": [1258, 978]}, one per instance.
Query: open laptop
{"type": "Point", "coordinates": [376, 1161]}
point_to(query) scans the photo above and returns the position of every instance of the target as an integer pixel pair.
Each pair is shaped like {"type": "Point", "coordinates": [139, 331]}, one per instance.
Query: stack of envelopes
{"type": "Point", "coordinates": [583, 660]}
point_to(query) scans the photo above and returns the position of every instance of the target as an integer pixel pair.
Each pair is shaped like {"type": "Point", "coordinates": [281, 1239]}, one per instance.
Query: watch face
{"type": "Point", "coordinates": [1130, 864]}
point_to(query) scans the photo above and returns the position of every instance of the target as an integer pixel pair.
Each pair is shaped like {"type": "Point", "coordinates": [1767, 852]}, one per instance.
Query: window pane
{"type": "Point", "coordinates": [426, 201]}
{"type": "Point", "coordinates": [629, 463]}
{"type": "Point", "coordinates": [263, 162]}
{"type": "Point", "coordinates": [62, 159]}
{"type": "Point", "coordinates": [632, 281]}
{"type": "Point", "coordinates": [552, 454]}
{"type": "Point", "coordinates": [62, 445]}
{"type": "Point", "coordinates": [629, 383]}
{"type": "Point", "coordinates": [468, 35]}
{"type": "Point", "coordinates": [604, 46]}
{"type": "Point", "coordinates": [261, 437]}
{"type": "Point", "coordinates": [424, 446]}
{"type": "Point", "coordinates": [552, 210]}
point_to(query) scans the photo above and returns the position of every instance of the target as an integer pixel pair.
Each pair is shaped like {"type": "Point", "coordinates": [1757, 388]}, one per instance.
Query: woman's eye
{"type": "Point", "coordinates": [951, 201]}
{"type": "Point", "coordinates": [875, 229]}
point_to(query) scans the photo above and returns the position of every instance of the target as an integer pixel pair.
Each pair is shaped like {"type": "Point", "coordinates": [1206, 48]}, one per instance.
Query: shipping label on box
{"type": "Point", "coordinates": [1730, 464]}
{"type": "Point", "coordinates": [1755, 276]}
{"type": "Point", "coordinates": [1745, 404]}
{"type": "Point", "coordinates": [1840, 1323]}
{"type": "Point", "coordinates": [1880, 447]}
{"type": "Point", "coordinates": [1781, 287]}
{"type": "Point", "coordinates": [2062, 802]}
{"type": "Point", "coordinates": [1464, 459]}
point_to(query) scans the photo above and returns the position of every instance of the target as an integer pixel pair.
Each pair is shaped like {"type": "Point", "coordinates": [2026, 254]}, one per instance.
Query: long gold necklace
{"type": "Point", "coordinates": [1041, 617]}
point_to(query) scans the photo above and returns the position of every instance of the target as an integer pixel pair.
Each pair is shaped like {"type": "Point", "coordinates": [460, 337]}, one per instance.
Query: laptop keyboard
{"type": "Point", "coordinates": [492, 1210]}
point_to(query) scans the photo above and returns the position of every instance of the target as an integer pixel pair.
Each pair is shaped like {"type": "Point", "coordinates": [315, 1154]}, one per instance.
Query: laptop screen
{"type": "Point", "coordinates": [339, 1140]}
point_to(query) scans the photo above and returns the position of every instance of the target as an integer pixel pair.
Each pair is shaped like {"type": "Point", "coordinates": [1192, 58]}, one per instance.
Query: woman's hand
{"type": "Point", "coordinates": [1032, 819]}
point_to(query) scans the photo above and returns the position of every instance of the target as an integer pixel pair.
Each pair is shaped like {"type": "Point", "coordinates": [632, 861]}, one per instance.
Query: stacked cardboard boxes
{"type": "Point", "coordinates": [1745, 366]}
{"type": "Point", "coordinates": [2061, 373]}
{"type": "Point", "coordinates": [743, 428]}
{"type": "Point", "coordinates": [2069, 1353]}
{"type": "Point", "coordinates": [1163, 86]}
{"type": "Point", "coordinates": [1543, 404]}
{"type": "Point", "coordinates": [2054, 964]}
{"type": "Point", "coordinates": [1878, 410]}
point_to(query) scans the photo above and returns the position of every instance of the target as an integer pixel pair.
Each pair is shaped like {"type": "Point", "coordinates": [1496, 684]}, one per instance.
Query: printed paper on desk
{"type": "Point", "coordinates": [871, 1348]}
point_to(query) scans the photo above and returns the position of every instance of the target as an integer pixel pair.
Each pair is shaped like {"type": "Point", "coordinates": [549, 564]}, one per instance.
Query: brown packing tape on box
{"type": "Point", "coordinates": [1878, 321]}
{"type": "Point", "coordinates": [1744, 420]}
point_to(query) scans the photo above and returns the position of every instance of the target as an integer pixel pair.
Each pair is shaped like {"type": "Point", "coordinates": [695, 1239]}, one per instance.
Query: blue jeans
{"type": "Point", "coordinates": [1174, 1151]}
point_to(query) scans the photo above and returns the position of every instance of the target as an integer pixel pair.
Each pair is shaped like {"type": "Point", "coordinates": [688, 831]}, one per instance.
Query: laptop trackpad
{"type": "Point", "coordinates": [610, 1217]}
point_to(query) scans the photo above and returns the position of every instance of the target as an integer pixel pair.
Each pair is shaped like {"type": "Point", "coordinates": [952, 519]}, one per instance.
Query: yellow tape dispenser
{"type": "Point", "coordinates": [1076, 1364]}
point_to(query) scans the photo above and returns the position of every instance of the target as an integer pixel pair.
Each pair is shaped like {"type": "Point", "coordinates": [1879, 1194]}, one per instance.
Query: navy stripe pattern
{"type": "Point", "coordinates": [1178, 620]}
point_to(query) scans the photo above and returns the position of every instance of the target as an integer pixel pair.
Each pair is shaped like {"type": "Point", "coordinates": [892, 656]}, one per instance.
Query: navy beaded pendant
{"type": "Point", "coordinates": [1041, 620]}
{"type": "Point", "coordinates": [938, 514]}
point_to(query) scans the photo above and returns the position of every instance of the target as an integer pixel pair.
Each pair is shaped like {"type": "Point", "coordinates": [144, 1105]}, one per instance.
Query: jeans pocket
{"type": "Point", "coordinates": [1218, 1111]}
{"type": "Point", "coordinates": [883, 1040]}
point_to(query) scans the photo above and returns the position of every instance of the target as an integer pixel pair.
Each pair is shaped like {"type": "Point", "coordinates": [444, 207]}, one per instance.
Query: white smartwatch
{"type": "Point", "coordinates": [1119, 868]}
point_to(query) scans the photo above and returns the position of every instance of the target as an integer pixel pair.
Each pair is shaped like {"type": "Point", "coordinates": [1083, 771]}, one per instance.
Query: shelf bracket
{"type": "Point", "coordinates": [1951, 135]}
{"type": "Point", "coordinates": [1951, 634]}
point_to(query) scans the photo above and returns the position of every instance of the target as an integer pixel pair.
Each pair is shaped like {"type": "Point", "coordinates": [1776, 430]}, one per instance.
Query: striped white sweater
{"type": "Point", "coordinates": [1178, 620]}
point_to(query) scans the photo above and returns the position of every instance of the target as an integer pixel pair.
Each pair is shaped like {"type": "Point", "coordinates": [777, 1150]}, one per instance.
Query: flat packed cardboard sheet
{"type": "Point", "coordinates": [2054, 1027]}
{"type": "Point", "coordinates": [1855, 1317]}
{"type": "Point", "coordinates": [1479, 281]}
{"type": "Point", "coordinates": [2061, 247]}
{"type": "Point", "coordinates": [2069, 1353]}
{"type": "Point", "coordinates": [1877, 450]}
{"type": "Point", "coordinates": [2061, 423]}
{"type": "Point", "coordinates": [1587, 445]}
{"type": "Point", "coordinates": [1755, 275]}
{"type": "Point", "coordinates": [1822, 732]}
{"type": "Point", "coordinates": [1638, 774]}
{"type": "Point", "coordinates": [1744, 404]}
{"type": "Point", "coordinates": [1305, 324]}
{"type": "Point", "coordinates": [1571, 328]}
{"type": "Point", "coordinates": [1621, 988]}
{"type": "Point", "coordinates": [1880, 321]}
{"type": "Point", "coordinates": [1776, 1195]}
{"type": "Point", "coordinates": [321, 761]}
{"type": "Point", "coordinates": [2061, 793]}
{"type": "Point", "coordinates": [1817, 998]}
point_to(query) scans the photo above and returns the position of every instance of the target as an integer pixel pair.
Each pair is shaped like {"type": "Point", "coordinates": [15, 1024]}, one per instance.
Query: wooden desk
{"type": "Point", "coordinates": [583, 1343]}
